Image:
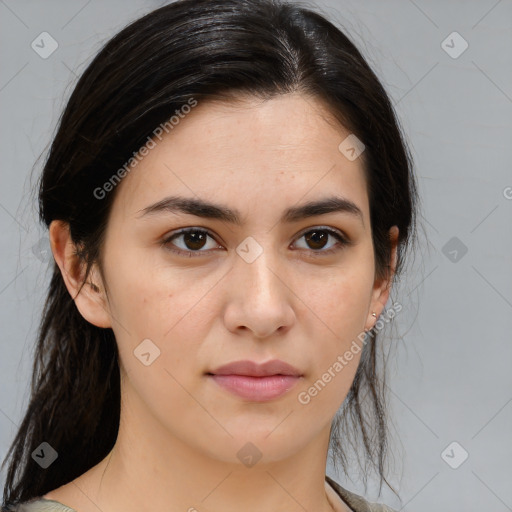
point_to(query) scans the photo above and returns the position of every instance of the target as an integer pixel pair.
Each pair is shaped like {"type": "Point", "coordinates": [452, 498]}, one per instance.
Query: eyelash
{"type": "Point", "coordinates": [342, 241]}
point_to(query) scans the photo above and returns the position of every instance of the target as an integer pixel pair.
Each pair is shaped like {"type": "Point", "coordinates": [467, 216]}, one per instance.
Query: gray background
{"type": "Point", "coordinates": [450, 372]}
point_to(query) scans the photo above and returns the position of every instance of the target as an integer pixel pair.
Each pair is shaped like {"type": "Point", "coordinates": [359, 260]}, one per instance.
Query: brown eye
{"type": "Point", "coordinates": [193, 242]}
{"type": "Point", "coordinates": [318, 238]}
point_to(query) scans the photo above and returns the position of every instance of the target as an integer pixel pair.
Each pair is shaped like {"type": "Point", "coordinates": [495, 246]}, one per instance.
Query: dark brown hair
{"type": "Point", "coordinates": [201, 49]}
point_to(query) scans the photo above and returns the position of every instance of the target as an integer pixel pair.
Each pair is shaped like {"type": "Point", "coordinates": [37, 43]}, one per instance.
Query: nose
{"type": "Point", "coordinates": [260, 297]}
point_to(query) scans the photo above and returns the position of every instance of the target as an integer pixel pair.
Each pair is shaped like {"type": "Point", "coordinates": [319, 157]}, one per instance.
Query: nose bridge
{"type": "Point", "coordinates": [256, 266]}
{"type": "Point", "coordinates": [262, 301]}
{"type": "Point", "coordinates": [259, 299]}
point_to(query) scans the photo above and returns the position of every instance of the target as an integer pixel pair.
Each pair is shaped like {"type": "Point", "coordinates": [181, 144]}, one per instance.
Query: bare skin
{"type": "Point", "coordinates": [180, 432]}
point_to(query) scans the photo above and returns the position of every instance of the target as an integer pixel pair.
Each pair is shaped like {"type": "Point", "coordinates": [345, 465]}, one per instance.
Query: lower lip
{"type": "Point", "coordinates": [256, 389]}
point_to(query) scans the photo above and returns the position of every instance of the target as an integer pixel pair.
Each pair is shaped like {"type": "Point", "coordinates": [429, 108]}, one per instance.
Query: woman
{"type": "Point", "coordinates": [229, 199]}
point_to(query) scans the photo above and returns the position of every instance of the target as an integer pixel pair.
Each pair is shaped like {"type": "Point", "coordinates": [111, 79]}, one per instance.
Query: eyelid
{"type": "Point", "coordinates": [341, 237]}
{"type": "Point", "coordinates": [330, 229]}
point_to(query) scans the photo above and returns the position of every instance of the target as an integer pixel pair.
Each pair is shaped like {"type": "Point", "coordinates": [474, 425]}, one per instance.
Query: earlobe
{"type": "Point", "coordinates": [89, 299]}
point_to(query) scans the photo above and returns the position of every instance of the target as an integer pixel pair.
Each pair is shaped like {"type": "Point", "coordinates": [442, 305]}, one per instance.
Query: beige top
{"type": "Point", "coordinates": [355, 502]}
{"type": "Point", "coordinates": [336, 495]}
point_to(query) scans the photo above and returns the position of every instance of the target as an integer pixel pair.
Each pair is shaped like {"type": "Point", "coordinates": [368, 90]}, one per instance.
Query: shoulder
{"type": "Point", "coordinates": [40, 505]}
{"type": "Point", "coordinates": [356, 502]}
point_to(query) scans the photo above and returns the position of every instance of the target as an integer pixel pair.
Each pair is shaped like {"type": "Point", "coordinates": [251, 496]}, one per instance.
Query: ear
{"type": "Point", "coordinates": [382, 286]}
{"type": "Point", "coordinates": [91, 301]}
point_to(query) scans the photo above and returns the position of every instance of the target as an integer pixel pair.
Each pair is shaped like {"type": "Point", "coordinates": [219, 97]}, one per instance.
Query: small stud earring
{"type": "Point", "coordinates": [373, 314]}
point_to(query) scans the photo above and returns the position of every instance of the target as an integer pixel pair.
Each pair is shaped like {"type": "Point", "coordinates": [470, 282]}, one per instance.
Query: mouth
{"type": "Point", "coordinates": [256, 382]}
{"type": "Point", "coordinates": [256, 389]}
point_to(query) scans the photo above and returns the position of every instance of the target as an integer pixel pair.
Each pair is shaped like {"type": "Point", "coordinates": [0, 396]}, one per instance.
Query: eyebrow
{"type": "Point", "coordinates": [208, 210]}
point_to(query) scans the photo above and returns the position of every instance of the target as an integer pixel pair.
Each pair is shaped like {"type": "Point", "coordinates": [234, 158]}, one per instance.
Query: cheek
{"type": "Point", "coordinates": [164, 307]}
{"type": "Point", "coordinates": [338, 337]}
{"type": "Point", "coordinates": [145, 293]}
{"type": "Point", "coordinates": [337, 307]}
{"type": "Point", "coordinates": [323, 394]}
{"type": "Point", "coordinates": [339, 301]}
{"type": "Point", "coordinates": [158, 342]}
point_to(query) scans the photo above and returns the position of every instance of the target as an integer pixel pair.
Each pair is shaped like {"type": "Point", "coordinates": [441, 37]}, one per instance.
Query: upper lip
{"type": "Point", "coordinates": [254, 369]}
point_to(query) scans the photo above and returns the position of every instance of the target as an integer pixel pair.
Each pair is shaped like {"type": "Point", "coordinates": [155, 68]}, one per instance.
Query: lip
{"type": "Point", "coordinates": [254, 369]}
{"type": "Point", "coordinates": [256, 382]}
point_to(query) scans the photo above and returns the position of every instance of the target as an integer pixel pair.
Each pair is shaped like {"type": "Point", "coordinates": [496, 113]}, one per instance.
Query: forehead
{"type": "Point", "coordinates": [249, 152]}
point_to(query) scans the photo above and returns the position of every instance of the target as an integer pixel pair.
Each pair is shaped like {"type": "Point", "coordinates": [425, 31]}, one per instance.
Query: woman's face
{"type": "Point", "coordinates": [259, 278]}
